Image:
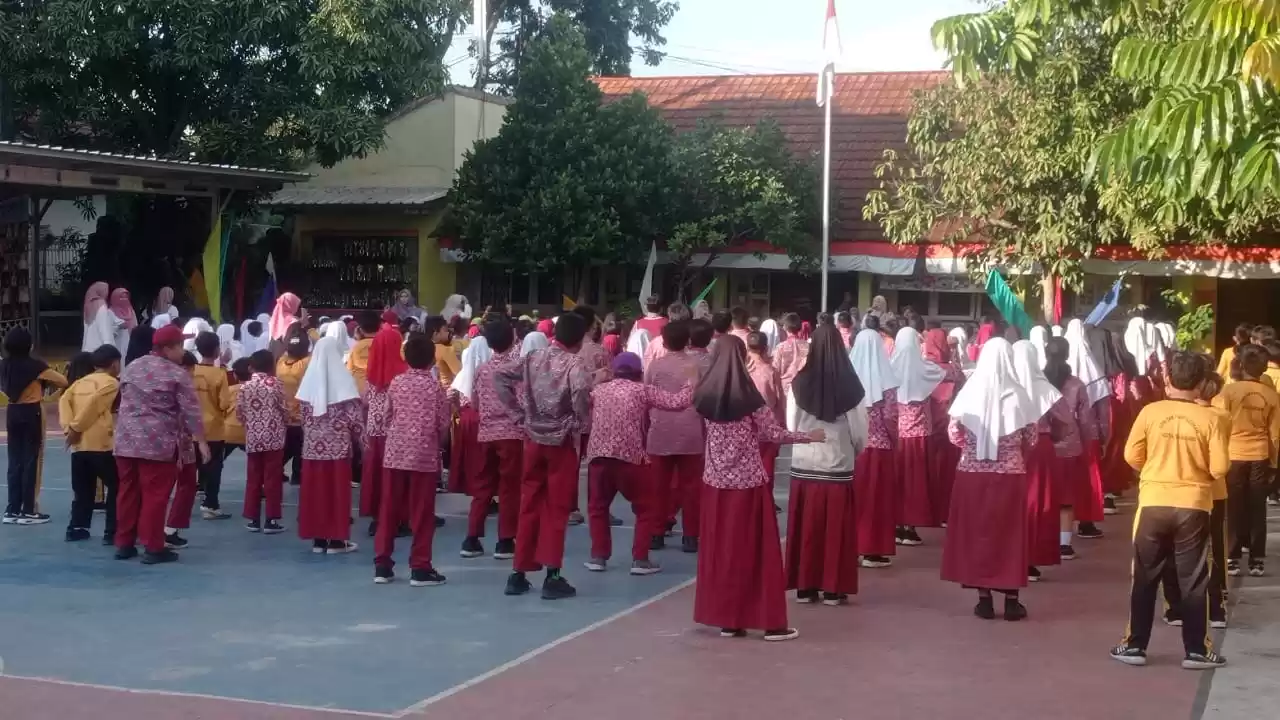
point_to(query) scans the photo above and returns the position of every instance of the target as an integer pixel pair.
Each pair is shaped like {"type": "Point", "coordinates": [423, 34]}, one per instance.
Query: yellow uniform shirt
{"type": "Point", "coordinates": [290, 372]}
{"type": "Point", "coordinates": [232, 430]}
{"type": "Point", "coordinates": [87, 408]}
{"type": "Point", "coordinates": [1272, 375]}
{"type": "Point", "coordinates": [1224, 363]}
{"type": "Point", "coordinates": [358, 362]}
{"type": "Point", "coordinates": [211, 382]}
{"type": "Point", "coordinates": [1220, 484]}
{"type": "Point", "coordinates": [1180, 451]}
{"type": "Point", "coordinates": [1254, 409]}
{"type": "Point", "coordinates": [447, 364]}
{"type": "Point", "coordinates": [34, 392]}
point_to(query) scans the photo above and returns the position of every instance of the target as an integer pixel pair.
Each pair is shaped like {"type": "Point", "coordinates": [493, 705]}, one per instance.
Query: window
{"type": "Point", "coordinates": [955, 305]}
{"type": "Point", "coordinates": [917, 300]}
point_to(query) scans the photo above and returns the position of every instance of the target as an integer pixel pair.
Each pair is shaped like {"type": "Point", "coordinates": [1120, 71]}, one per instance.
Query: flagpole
{"type": "Point", "coordinates": [826, 184]}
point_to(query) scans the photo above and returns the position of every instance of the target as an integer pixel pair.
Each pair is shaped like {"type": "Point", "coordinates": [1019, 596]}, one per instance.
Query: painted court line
{"type": "Point", "coordinates": [424, 704]}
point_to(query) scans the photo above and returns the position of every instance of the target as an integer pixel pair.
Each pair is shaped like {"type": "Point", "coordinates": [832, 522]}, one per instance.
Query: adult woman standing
{"type": "Point", "coordinates": [406, 307]}
{"type": "Point", "coordinates": [163, 305]}
{"type": "Point", "coordinates": [100, 324]}
{"type": "Point", "coordinates": [122, 308]}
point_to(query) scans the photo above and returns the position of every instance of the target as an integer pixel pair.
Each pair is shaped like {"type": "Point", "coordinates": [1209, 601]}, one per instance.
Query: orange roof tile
{"type": "Point", "coordinates": [869, 115]}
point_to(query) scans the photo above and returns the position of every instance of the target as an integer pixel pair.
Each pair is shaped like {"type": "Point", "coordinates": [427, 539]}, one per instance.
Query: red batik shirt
{"type": "Point", "coordinates": [260, 407]}
{"type": "Point", "coordinates": [157, 402]}
{"type": "Point", "coordinates": [674, 432]}
{"type": "Point", "coordinates": [882, 421]}
{"type": "Point", "coordinates": [733, 449]}
{"type": "Point", "coordinates": [790, 355]}
{"type": "Point", "coordinates": [495, 422]}
{"type": "Point", "coordinates": [420, 415]}
{"type": "Point", "coordinates": [548, 393]}
{"type": "Point", "coordinates": [1009, 453]}
{"type": "Point", "coordinates": [619, 413]}
{"type": "Point", "coordinates": [376, 416]}
{"type": "Point", "coordinates": [331, 436]}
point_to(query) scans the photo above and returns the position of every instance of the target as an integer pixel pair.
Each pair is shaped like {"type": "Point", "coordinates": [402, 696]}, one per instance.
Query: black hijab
{"type": "Point", "coordinates": [725, 391]}
{"type": "Point", "coordinates": [18, 369]}
{"type": "Point", "coordinates": [1103, 350]}
{"type": "Point", "coordinates": [139, 343]}
{"type": "Point", "coordinates": [827, 387]}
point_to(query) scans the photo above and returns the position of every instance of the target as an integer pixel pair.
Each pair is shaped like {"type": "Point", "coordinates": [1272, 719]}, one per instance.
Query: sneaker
{"type": "Point", "coordinates": [10, 519]}
{"type": "Point", "coordinates": [658, 542]}
{"type": "Point", "coordinates": [1033, 574]}
{"type": "Point", "coordinates": [209, 513]}
{"type": "Point", "coordinates": [471, 548]}
{"type": "Point", "coordinates": [1172, 620]}
{"type": "Point", "coordinates": [898, 535]}
{"type": "Point", "coordinates": [671, 529]}
{"type": "Point", "coordinates": [126, 553]}
{"type": "Point", "coordinates": [1273, 500]}
{"type": "Point", "coordinates": [383, 575]}
{"type": "Point", "coordinates": [1233, 568]}
{"type": "Point", "coordinates": [493, 508]}
{"type": "Point", "coordinates": [575, 518]}
{"type": "Point", "coordinates": [273, 527]}
{"type": "Point", "coordinates": [517, 584]}
{"type": "Point", "coordinates": [439, 522]}
{"type": "Point", "coordinates": [373, 528]}
{"type": "Point", "coordinates": [109, 539]}
{"type": "Point", "coordinates": [164, 556]}
{"type": "Point", "coordinates": [1256, 568]}
{"type": "Point", "coordinates": [614, 520]}
{"type": "Point", "coordinates": [504, 550]}
{"type": "Point", "coordinates": [1014, 610]}
{"type": "Point", "coordinates": [596, 564]}
{"type": "Point", "coordinates": [425, 578]}
{"type": "Point", "coordinates": [875, 561]}
{"type": "Point", "coordinates": [557, 588]}
{"type": "Point", "coordinates": [1218, 624]}
{"type": "Point", "coordinates": [319, 547]}
{"type": "Point", "coordinates": [1089, 531]}
{"type": "Point", "coordinates": [1066, 552]}
{"type": "Point", "coordinates": [77, 534]}
{"type": "Point", "coordinates": [404, 531]}
{"type": "Point", "coordinates": [1109, 505]}
{"type": "Point", "coordinates": [33, 519]}
{"type": "Point", "coordinates": [1129, 655]}
{"type": "Point", "coordinates": [645, 567]}
{"type": "Point", "coordinates": [985, 609]}
{"type": "Point", "coordinates": [100, 508]}
{"type": "Point", "coordinates": [732, 633]}
{"type": "Point", "coordinates": [689, 544]}
{"type": "Point", "coordinates": [253, 526]}
{"type": "Point", "coordinates": [341, 547]}
{"type": "Point", "coordinates": [806, 597]}
{"type": "Point", "coordinates": [1206, 661]}
{"type": "Point", "coordinates": [781, 635]}
{"type": "Point", "coordinates": [174, 541]}
{"type": "Point", "coordinates": [834, 599]}
{"type": "Point", "coordinates": [911, 538]}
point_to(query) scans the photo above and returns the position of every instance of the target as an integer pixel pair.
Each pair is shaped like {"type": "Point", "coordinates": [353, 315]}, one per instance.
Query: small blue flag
{"type": "Point", "coordinates": [1106, 304]}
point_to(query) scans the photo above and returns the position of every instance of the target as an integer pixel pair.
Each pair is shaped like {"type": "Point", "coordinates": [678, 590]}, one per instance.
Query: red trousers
{"type": "Point", "coordinates": [264, 480]}
{"type": "Point", "coordinates": [500, 476]}
{"type": "Point", "coordinates": [324, 500]}
{"type": "Point", "coordinates": [141, 500]}
{"type": "Point", "coordinates": [678, 487]}
{"type": "Point", "coordinates": [184, 498]}
{"type": "Point", "coordinates": [606, 477]}
{"type": "Point", "coordinates": [548, 486]}
{"type": "Point", "coordinates": [420, 489]}
{"type": "Point", "coordinates": [371, 476]}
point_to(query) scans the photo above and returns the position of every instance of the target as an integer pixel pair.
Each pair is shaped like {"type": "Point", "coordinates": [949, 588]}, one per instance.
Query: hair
{"type": "Point", "coordinates": [721, 322]}
{"type": "Point", "coordinates": [255, 329]}
{"type": "Point", "coordinates": [675, 335]}
{"type": "Point", "coordinates": [1273, 350]}
{"type": "Point", "coordinates": [297, 343]}
{"type": "Point", "coordinates": [419, 352]}
{"type": "Point", "coordinates": [738, 315]}
{"type": "Point", "coordinates": [985, 319]}
{"type": "Point", "coordinates": [368, 321]}
{"type": "Point", "coordinates": [915, 321]}
{"type": "Point", "coordinates": [890, 325]}
{"type": "Point", "coordinates": [81, 364]}
{"type": "Point", "coordinates": [700, 334]}
{"type": "Point", "coordinates": [571, 328]}
{"type": "Point", "coordinates": [1011, 333]}
{"type": "Point", "coordinates": [498, 334]}
{"type": "Point", "coordinates": [1213, 384]}
{"type": "Point", "coordinates": [189, 359]}
{"type": "Point", "coordinates": [1253, 361]}
{"type": "Point", "coordinates": [241, 369]}
{"type": "Point", "coordinates": [459, 324]}
{"type": "Point", "coordinates": [523, 327]}
{"type": "Point", "coordinates": [653, 304]}
{"type": "Point", "coordinates": [611, 325]}
{"type": "Point", "coordinates": [433, 325]}
{"type": "Point", "coordinates": [678, 311]}
{"type": "Point", "coordinates": [407, 324]}
{"type": "Point", "coordinates": [754, 323]}
{"type": "Point", "coordinates": [933, 324]}
{"type": "Point", "coordinates": [1186, 370]}
{"type": "Point", "coordinates": [844, 319]}
{"type": "Point", "coordinates": [1262, 333]}
{"type": "Point", "coordinates": [824, 318]}
{"type": "Point", "coordinates": [263, 361]}
{"type": "Point", "coordinates": [17, 343]}
{"type": "Point", "coordinates": [791, 323]}
{"type": "Point", "coordinates": [757, 343]}
{"type": "Point", "coordinates": [104, 356]}
{"type": "Point", "coordinates": [208, 344]}
{"type": "Point", "coordinates": [587, 313]}
{"type": "Point", "coordinates": [1056, 369]}
{"type": "Point", "coordinates": [871, 322]}
{"type": "Point", "coordinates": [1243, 334]}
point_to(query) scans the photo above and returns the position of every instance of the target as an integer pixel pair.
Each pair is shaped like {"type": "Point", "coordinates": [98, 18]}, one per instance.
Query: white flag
{"type": "Point", "coordinates": [830, 55]}
{"type": "Point", "coordinates": [646, 285]}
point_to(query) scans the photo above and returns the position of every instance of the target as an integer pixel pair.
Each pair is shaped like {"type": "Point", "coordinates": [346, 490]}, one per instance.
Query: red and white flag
{"type": "Point", "coordinates": [830, 55]}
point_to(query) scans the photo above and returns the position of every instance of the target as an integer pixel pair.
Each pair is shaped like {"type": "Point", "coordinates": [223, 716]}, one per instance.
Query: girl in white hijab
{"type": "Point", "coordinates": [1083, 366]}
{"type": "Point", "coordinates": [194, 327]}
{"type": "Point", "coordinates": [231, 350]}
{"type": "Point", "coordinates": [992, 420]}
{"type": "Point", "coordinates": [160, 321]}
{"type": "Point", "coordinates": [1097, 389]}
{"type": "Point", "coordinates": [1039, 336]}
{"type": "Point", "coordinates": [1137, 340]}
{"type": "Point", "coordinates": [877, 504]}
{"type": "Point", "coordinates": [476, 354]}
{"type": "Point", "coordinates": [533, 341]}
{"type": "Point", "coordinates": [338, 331]}
{"type": "Point", "coordinates": [917, 378]}
{"type": "Point", "coordinates": [769, 328]}
{"type": "Point", "coordinates": [638, 341]}
{"type": "Point", "coordinates": [1043, 503]}
{"type": "Point", "coordinates": [962, 346]}
{"type": "Point", "coordinates": [1168, 336]}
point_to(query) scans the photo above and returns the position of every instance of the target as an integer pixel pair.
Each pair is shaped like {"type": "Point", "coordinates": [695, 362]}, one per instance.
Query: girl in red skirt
{"type": "Point", "coordinates": [466, 457]}
{"type": "Point", "coordinates": [822, 539]}
{"type": "Point", "coordinates": [917, 379]}
{"type": "Point", "coordinates": [740, 581]}
{"type": "Point", "coordinates": [1088, 505]}
{"type": "Point", "coordinates": [1118, 367]}
{"type": "Point", "coordinates": [993, 422]}
{"type": "Point", "coordinates": [877, 488]}
{"type": "Point", "coordinates": [942, 473]}
{"type": "Point", "coordinates": [332, 426]}
{"type": "Point", "coordinates": [1042, 501]}
{"type": "Point", "coordinates": [1071, 422]}
{"type": "Point", "coordinates": [385, 363]}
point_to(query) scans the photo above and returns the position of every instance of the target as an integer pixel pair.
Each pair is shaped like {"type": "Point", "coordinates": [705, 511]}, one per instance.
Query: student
{"type": "Point", "coordinates": [358, 359]}
{"type": "Point", "coordinates": [23, 380]}
{"type": "Point", "coordinates": [768, 382]}
{"type": "Point", "coordinates": [877, 490]}
{"type": "Point", "coordinates": [232, 429]}
{"type": "Point", "coordinates": [653, 321]}
{"type": "Point", "coordinates": [211, 389]}
{"type": "Point", "coordinates": [917, 379]}
{"type": "Point", "coordinates": [945, 456]}
{"type": "Point", "coordinates": [158, 407]}
{"type": "Point", "coordinates": [548, 394]}
{"type": "Point", "coordinates": [657, 347]}
{"type": "Point", "coordinates": [465, 457]}
{"type": "Point", "coordinates": [739, 317]}
{"type": "Point", "coordinates": [1072, 424]}
{"type": "Point", "coordinates": [184, 492]}
{"type": "Point", "coordinates": [289, 371]}
{"type": "Point", "coordinates": [500, 445]}
{"type": "Point", "coordinates": [1043, 504]}
{"type": "Point", "coordinates": [616, 462]}
{"type": "Point", "coordinates": [674, 442]}
{"type": "Point", "coordinates": [790, 355]}
{"type": "Point", "coordinates": [385, 363]}
{"type": "Point", "coordinates": [332, 425]}
{"type": "Point", "coordinates": [822, 532]}
{"type": "Point", "coordinates": [1254, 409]}
{"type": "Point", "coordinates": [844, 323]}
{"type": "Point", "coordinates": [1088, 505]}
{"type": "Point", "coordinates": [1177, 472]}
{"type": "Point", "coordinates": [419, 416]}
{"type": "Point", "coordinates": [1273, 361]}
{"type": "Point", "coordinates": [593, 356]}
{"type": "Point", "coordinates": [260, 407]}
{"type": "Point", "coordinates": [447, 363]}
{"type": "Point", "coordinates": [86, 411]}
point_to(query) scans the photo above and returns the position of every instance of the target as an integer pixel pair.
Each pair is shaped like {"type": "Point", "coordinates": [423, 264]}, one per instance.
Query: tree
{"type": "Point", "coordinates": [250, 82]}
{"type": "Point", "coordinates": [741, 184]}
{"type": "Point", "coordinates": [567, 182]}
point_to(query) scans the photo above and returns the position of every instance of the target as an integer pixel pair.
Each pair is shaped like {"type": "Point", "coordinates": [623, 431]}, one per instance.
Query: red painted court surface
{"type": "Point", "coordinates": [908, 647]}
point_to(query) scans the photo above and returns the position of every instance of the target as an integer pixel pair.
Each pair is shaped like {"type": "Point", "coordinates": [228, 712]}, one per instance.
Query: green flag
{"type": "Point", "coordinates": [1003, 297]}
{"type": "Point", "coordinates": [702, 295]}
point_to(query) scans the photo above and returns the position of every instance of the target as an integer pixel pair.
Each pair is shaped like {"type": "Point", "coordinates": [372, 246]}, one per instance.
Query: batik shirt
{"type": "Point", "coordinates": [260, 407]}
{"type": "Point", "coordinates": [674, 432]}
{"type": "Point", "coordinates": [420, 417]}
{"type": "Point", "coordinates": [376, 417]}
{"type": "Point", "coordinates": [495, 422]}
{"type": "Point", "coordinates": [733, 450]}
{"type": "Point", "coordinates": [619, 413]}
{"type": "Point", "coordinates": [548, 393]}
{"type": "Point", "coordinates": [330, 436]}
{"type": "Point", "coordinates": [1009, 453]}
{"type": "Point", "coordinates": [915, 419]}
{"type": "Point", "coordinates": [882, 421]}
{"type": "Point", "coordinates": [790, 355]}
{"type": "Point", "coordinates": [157, 401]}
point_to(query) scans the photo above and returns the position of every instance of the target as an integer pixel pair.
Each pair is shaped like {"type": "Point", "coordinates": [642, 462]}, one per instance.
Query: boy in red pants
{"type": "Point", "coordinates": [184, 492]}
{"type": "Point", "coordinates": [261, 410]}
{"type": "Point", "coordinates": [501, 444]}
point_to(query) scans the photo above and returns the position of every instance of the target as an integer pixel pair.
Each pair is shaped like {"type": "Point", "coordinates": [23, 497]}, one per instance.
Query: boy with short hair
{"type": "Point", "coordinates": [739, 317]}
{"type": "Point", "coordinates": [367, 324]}
{"type": "Point", "coordinates": [184, 492]}
{"type": "Point", "coordinates": [211, 389]}
{"type": "Point", "coordinates": [260, 407]}
{"type": "Point", "coordinates": [289, 371]}
{"type": "Point", "coordinates": [501, 444]}
{"type": "Point", "coordinates": [87, 414]}
{"type": "Point", "coordinates": [232, 429]}
{"type": "Point", "coordinates": [792, 353]}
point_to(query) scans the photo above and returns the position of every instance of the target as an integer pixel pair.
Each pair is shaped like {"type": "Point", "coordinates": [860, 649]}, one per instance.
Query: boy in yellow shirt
{"type": "Point", "coordinates": [232, 428]}
{"type": "Point", "coordinates": [86, 412]}
{"type": "Point", "coordinates": [211, 387]}
{"type": "Point", "coordinates": [1179, 449]}
{"type": "Point", "coordinates": [367, 324]}
{"type": "Point", "coordinates": [289, 369]}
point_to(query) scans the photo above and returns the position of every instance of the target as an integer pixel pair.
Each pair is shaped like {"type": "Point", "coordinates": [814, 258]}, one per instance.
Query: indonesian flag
{"type": "Point", "coordinates": [830, 54]}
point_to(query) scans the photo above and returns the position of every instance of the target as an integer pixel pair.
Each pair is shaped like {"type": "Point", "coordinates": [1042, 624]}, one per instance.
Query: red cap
{"type": "Point", "coordinates": [168, 335]}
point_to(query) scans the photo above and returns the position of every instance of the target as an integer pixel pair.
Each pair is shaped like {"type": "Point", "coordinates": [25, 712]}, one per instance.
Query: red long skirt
{"type": "Point", "coordinates": [943, 458]}
{"type": "Point", "coordinates": [466, 458]}
{"type": "Point", "coordinates": [877, 506]}
{"type": "Point", "coordinates": [914, 461]}
{"type": "Point", "coordinates": [740, 579]}
{"type": "Point", "coordinates": [1088, 499]}
{"type": "Point", "coordinates": [822, 537]}
{"type": "Point", "coordinates": [1043, 505]}
{"type": "Point", "coordinates": [371, 483]}
{"type": "Point", "coordinates": [1117, 476]}
{"type": "Point", "coordinates": [1070, 480]}
{"type": "Point", "coordinates": [986, 543]}
{"type": "Point", "coordinates": [324, 500]}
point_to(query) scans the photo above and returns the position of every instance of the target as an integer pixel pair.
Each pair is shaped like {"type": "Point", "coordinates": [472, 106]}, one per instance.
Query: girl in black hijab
{"type": "Point", "coordinates": [23, 380]}
{"type": "Point", "coordinates": [139, 343]}
{"type": "Point", "coordinates": [1118, 364]}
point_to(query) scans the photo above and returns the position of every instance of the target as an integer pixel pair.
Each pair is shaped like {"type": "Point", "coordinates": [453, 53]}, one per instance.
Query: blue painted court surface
{"type": "Point", "coordinates": [262, 618]}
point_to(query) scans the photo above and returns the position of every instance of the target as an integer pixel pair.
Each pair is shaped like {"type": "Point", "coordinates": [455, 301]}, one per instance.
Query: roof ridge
{"type": "Point", "coordinates": [766, 75]}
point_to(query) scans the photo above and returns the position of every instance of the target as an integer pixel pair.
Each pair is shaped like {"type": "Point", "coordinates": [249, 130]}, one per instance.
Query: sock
{"type": "Point", "coordinates": [170, 531]}
{"type": "Point", "coordinates": [553, 573]}
{"type": "Point", "coordinates": [1064, 538]}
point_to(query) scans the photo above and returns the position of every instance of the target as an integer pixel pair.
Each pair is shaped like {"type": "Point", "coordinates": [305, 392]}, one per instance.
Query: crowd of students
{"type": "Point", "coordinates": [1015, 446]}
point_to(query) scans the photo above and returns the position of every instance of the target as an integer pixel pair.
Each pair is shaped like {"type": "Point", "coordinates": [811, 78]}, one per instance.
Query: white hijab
{"type": "Point", "coordinates": [327, 380]}
{"type": "Point", "coordinates": [160, 321]}
{"type": "Point", "coordinates": [1138, 339]}
{"type": "Point", "coordinates": [962, 345]}
{"type": "Point", "coordinates": [194, 327]}
{"type": "Point", "coordinates": [769, 328]}
{"type": "Point", "coordinates": [476, 354]}
{"type": "Point", "coordinates": [1056, 331]}
{"type": "Point", "coordinates": [871, 365]}
{"type": "Point", "coordinates": [1039, 336]}
{"type": "Point", "coordinates": [533, 341]}
{"type": "Point", "coordinates": [638, 341]}
{"type": "Point", "coordinates": [917, 377]}
{"type": "Point", "coordinates": [992, 404]}
{"type": "Point", "coordinates": [1096, 384]}
{"type": "Point", "coordinates": [1026, 364]}
{"type": "Point", "coordinates": [1168, 336]}
{"type": "Point", "coordinates": [338, 331]}
{"type": "Point", "coordinates": [231, 350]}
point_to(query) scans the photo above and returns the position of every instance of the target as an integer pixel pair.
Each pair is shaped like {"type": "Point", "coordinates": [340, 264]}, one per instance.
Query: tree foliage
{"type": "Point", "coordinates": [253, 82]}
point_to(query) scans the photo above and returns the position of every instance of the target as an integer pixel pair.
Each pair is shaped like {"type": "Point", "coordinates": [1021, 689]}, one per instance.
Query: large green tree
{"type": "Point", "coordinates": [253, 82]}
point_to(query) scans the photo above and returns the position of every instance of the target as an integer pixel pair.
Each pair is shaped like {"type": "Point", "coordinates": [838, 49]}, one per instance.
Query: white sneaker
{"type": "Point", "coordinates": [867, 562]}
{"type": "Point", "coordinates": [596, 564]}
{"type": "Point", "coordinates": [1218, 624]}
{"type": "Point", "coordinates": [347, 547]}
{"type": "Point", "coordinates": [645, 567]}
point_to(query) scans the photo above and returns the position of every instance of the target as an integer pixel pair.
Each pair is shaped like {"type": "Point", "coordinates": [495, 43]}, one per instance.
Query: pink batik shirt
{"type": "Point", "coordinates": [157, 403]}
{"type": "Point", "coordinates": [619, 413]}
{"type": "Point", "coordinates": [733, 450]}
{"type": "Point", "coordinates": [333, 435]}
{"type": "Point", "coordinates": [1010, 453]}
{"type": "Point", "coordinates": [260, 408]}
{"type": "Point", "coordinates": [674, 432]}
{"type": "Point", "coordinates": [420, 416]}
{"type": "Point", "coordinates": [495, 422]}
{"type": "Point", "coordinates": [882, 421]}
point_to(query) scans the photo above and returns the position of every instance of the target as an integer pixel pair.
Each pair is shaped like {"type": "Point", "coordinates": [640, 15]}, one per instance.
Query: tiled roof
{"type": "Point", "coordinates": [869, 115]}
{"type": "Point", "coordinates": [96, 156]}
{"type": "Point", "coordinates": [355, 196]}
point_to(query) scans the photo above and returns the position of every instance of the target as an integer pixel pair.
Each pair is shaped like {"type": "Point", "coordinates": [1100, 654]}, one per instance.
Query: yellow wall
{"type": "Point", "coordinates": [865, 280]}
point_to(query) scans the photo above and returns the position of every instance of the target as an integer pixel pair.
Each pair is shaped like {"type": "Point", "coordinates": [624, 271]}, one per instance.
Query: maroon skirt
{"type": "Point", "coordinates": [877, 506]}
{"type": "Point", "coordinates": [324, 500]}
{"type": "Point", "coordinates": [466, 457]}
{"type": "Point", "coordinates": [1117, 476]}
{"type": "Point", "coordinates": [371, 482]}
{"type": "Point", "coordinates": [914, 459]}
{"type": "Point", "coordinates": [740, 579]}
{"type": "Point", "coordinates": [822, 538]}
{"type": "Point", "coordinates": [1087, 502]}
{"type": "Point", "coordinates": [986, 543]}
{"type": "Point", "coordinates": [1043, 505]}
{"type": "Point", "coordinates": [943, 458]}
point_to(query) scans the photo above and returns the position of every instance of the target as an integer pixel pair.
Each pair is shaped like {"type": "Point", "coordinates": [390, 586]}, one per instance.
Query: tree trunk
{"type": "Point", "coordinates": [584, 285]}
{"type": "Point", "coordinates": [1048, 296]}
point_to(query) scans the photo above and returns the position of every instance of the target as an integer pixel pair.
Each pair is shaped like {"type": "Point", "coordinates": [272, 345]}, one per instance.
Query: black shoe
{"type": "Point", "coordinates": [911, 538]}
{"type": "Point", "coordinates": [834, 599]}
{"type": "Point", "coordinates": [493, 507]}
{"type": "Point", "coordinates": [126, 553]}
{"type": "Point", "coordinates": [781, 635]}
{"type": "Point", "coordinates": [517, 584]}
{"type": "Point", "coordinates": [985, 609]}
{"type": "Point", "coordinates": [1129, 655]}
{"type": "Point", "coordinates": [689, 544]}
{"type": "Point", "coordinates": [504, 550]}
{"type": "Point", "coordinates": [471, 548]}
{"type": "Point", "coordinates": [383, 574]}
{"type": "Point", "coordinates": [373, 528]}
{"type": "Point", "coordinates": [1066, 552]}
{"type": "Point", "coordinates": [1014, 610]}
{"type": "Point", "coordinates": [657, 542]}
{"type": "Point", "coordinates": [1089, 531]}
{"type": "Point", "coordinates": [776, 509]}
{"type": "Point", "coordinates": [557, 588]}
{"type": "Point", "coordinates": [1206, 661]}
{"type": "Point", "coordinates": [164, 556]}
{"type": "Point", "coordinates": [77, 534]}
{"type": "Point", "coordinates": [404, 530]}
{"type": "Point", "coordinates": [732, 633]}
{"type": "Point", "coordinates": [33, 519]}
{"type": "Point", "coordinates": [1109, 506]}
{"type": "Point", "coordinates": [1033, 574]}
{"type": "Point", "coordinates": [614, 521]}
{"type": "Point", "coordinates": [1233, 568]}
{"type": "Point", "coordinates": [439, 522]}
{"type": "Point", "coordinates": [1172, 619]}
{"type": "Point", "coordinates": [670, 530]}
{"type": "Point", "coordinates": [319, 547]}
{"type": "Point", "coordinates": [109, 539]}
{"type": "Point", "coordinates": [174, 541]}
{"type": "Point", "coordinates": [806, 597]}
{"type": "Point", "coordinates": [10, 518]}
{"type": "Point", "coordinates": [253, 526]}
{"type": "Point", "coordinates": [425, 578]}
{"type": "Point", "coordinates": [273, 527]}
